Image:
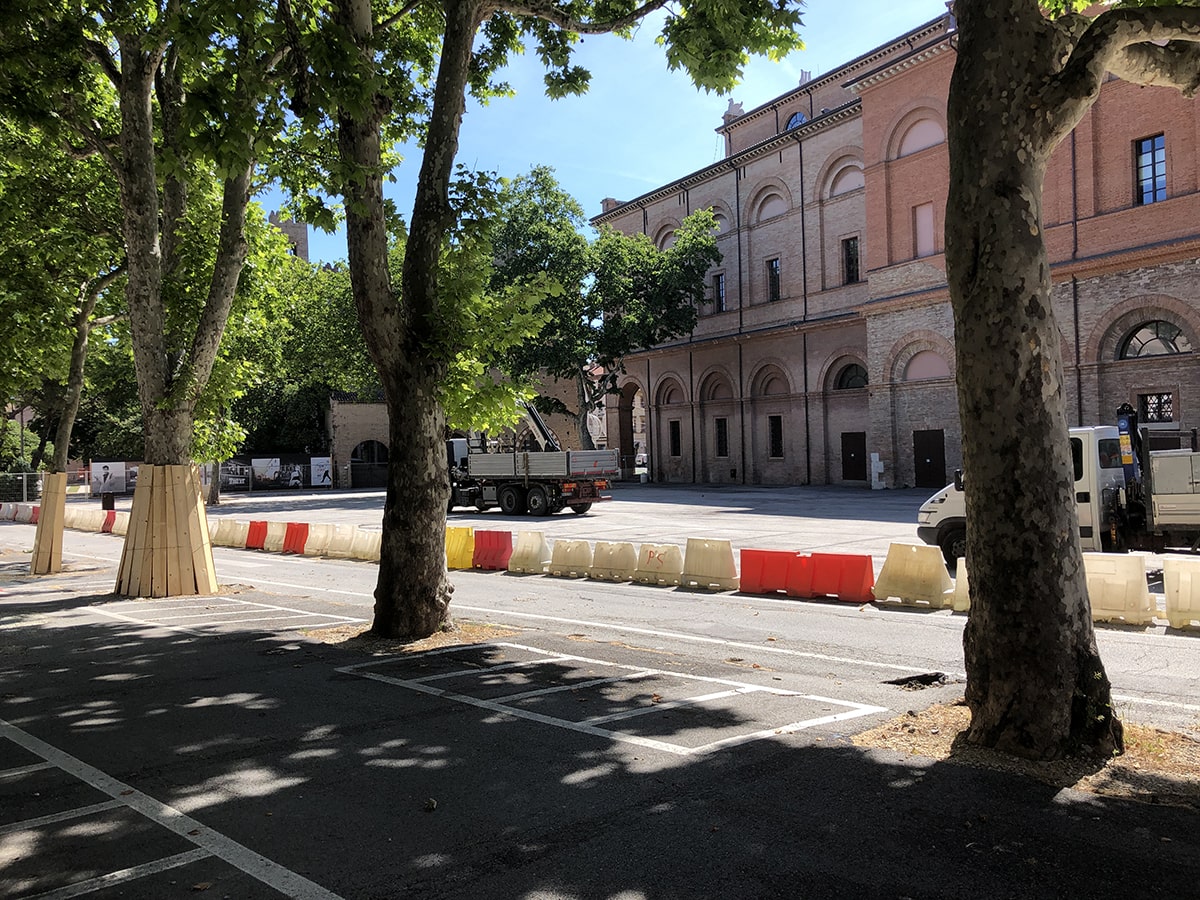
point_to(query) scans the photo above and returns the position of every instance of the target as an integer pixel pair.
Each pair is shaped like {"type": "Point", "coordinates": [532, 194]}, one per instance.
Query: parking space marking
{"type": "Point", "coordinates": [79, 888]}
{"type": "Point", "coordinates": [65, 816]}
{"type": "Point", "coordinates": [218, 615]}
{"type": "Point", "coordinates": [591, 726]}
{"type": "Point", "coordinates": [25, 770]}
{"type": "Point", "coordinates": [208, 842]}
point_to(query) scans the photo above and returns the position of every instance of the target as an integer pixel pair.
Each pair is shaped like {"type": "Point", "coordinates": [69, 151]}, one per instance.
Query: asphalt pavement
{"type": "Point", "coordinates": [215, 747]}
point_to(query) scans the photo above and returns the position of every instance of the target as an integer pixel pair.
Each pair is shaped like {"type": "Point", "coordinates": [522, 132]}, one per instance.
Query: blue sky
{"type": "Point", "coordinates": [640, 125]}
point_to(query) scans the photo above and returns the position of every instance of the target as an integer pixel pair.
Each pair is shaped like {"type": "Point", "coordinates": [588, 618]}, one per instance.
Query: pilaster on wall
{"type": "Point", "coordinates": [881, 436]}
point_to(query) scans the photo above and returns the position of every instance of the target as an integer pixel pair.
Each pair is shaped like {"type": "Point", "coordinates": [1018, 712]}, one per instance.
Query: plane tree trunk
{"type": "Point", "coordinates": [1035, 684]}
{"type": "Point", "coordinates": [412, 595]}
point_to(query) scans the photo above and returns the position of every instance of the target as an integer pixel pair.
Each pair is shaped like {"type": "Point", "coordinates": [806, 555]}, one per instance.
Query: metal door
{"type": "Point", "coordinates": [929, 458]}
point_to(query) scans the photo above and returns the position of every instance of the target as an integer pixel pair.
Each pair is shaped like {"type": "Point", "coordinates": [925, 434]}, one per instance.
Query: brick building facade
{"type": "Point", "coordinates": [824, 352]}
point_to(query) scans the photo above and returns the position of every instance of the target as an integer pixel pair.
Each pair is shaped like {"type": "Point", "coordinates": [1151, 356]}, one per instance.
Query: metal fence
{"type": "Point", "coordinates": [20, 487]}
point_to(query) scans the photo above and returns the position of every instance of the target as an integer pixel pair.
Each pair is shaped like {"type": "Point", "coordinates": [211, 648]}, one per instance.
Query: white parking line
{"type": "Point", "coordinates": [590, 726]}
{"type": "Point", "coordinates": [209, 842]}
{"type": "Point", "coordinates": [79, 888]}
{"type": "Point", "coordinates": [79, 813]}
{"type": "Point", "coordinates": [25, 770]}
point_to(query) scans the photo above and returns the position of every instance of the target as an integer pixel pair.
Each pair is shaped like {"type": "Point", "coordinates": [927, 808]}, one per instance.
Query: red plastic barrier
{"type": "Point", "coordinates": [765, 571]}
{"type": "Point", "coordinates": [36, 511]}
{"type": "Point", "coordinates": [110, 517]}
{"type": "Point", "coordinates": [295, 537]}
{"type": "Point", "coordinates": [493, 549]}
{"type": "Point", "coordinates": [256, 535]}
{"type": "Point", "coordinates": [845, 576]}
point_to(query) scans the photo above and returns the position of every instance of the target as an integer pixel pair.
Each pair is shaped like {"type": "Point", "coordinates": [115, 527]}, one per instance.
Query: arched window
{"type": "Point", "coordinates": [773, 205]}
{"type": "Point", "coordinates": [795, 121]}
{"type": "Point", "coordinates": [722, 223]}
{"type": "Point", "coordinates": [920, 135]}
{"type": "Point", "coordinates": [1157, 338]}
{"type": "Point", "coordinates": [847, 180]}
{"type": "Point", "coordinates": [852, 377]}
{"type": "Point", "coordinates": [926, 364]}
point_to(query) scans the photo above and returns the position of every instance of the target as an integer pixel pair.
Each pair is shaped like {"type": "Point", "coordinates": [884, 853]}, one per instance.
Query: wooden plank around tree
{"type": "Point", "coordinates": [201, 544]}
{"type": "Point", "coordinates": [129, 573]}
{"type": "Point", "coordinates": [47, 543]}
{"type": "Point", "coordinates": [158, 529]}
{"type": "Point", "coordinates": [169, 539]}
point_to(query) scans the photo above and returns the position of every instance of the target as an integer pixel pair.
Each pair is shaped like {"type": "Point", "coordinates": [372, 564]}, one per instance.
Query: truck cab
{"type": "Point", "coordinates": [1099, 475]}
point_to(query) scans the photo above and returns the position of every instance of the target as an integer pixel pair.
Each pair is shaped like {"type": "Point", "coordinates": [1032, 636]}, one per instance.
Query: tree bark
{"type": "Point", "coordinates": [412, 595]}
{"type": "Point", "coordinates": [1035, 684]}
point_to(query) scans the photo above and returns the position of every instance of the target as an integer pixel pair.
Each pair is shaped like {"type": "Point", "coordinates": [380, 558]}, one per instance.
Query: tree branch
{"type": "Point", "coordinates": [1111, 33]}
{"type": "Point", "coordinates": [105, 60]}
{"type": "Point", "coordinates": [398, 15]}
{"type": "Point", "coordinates": [1176, 64]}
{"type": "Point", "coordinates": [556, 15]}
{"type": "Point", "coordinates": [1107, 45]}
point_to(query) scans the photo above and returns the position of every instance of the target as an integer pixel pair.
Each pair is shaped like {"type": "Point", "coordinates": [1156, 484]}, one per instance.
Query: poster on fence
{"type": "Point", "coordinates": [321, 474]}
{"type": "Point", "coordinates": [108, 477]}
{"type": "Point", "coordinates": [266, 472]}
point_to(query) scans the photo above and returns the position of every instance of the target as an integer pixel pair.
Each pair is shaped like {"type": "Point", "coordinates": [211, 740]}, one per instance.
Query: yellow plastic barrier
{"type": "Point", "coordinates": [962, 589]}
{"type": "Point", "coordinates": [916, 575]}
{"type": "Point", "coordinates": [121, 523]}
{"type": "Point", "coordinates": [659, 564]}
{"type": "Point", "coordinates": [613, 561]}
{"type": "Point", "coordinates": [709, 565]}
{"type": "Point", "coordinates": [366, 545]}
{"type": "Point", "coordinates": [319, 537]}
{"type": "Point", "coordinates": [1181, 583]}
{"type": "Point", "coordinates": [276, 531]}
{"type": "Point", "coordinates": [570, 559]}
{"type": "Point", "coordinates": [1117, 588]}
{"type": "Point", "coordinates": [460, 547]}
{"type": "Point", "coordinates": [231, 533]}
{"type": "Point", "coordinates": [531, 555]}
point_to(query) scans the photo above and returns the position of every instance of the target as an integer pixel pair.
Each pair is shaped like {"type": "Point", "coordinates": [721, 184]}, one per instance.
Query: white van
{"type": "Point", "coordinates": [1096, 451]}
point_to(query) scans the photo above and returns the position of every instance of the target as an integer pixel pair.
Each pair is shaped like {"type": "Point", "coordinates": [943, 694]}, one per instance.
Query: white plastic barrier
{"type": "Point", "coordinates": [8, 511]}
{"type": "Point", "coordinates": [90, 519]}
{"type": "Point", "coordinates": [273, 540]}
{"type": "Point", "coordinates": [231, 533]}
{"type": "Point", "coordinates": [25, 513]}
{"type": "Point", "coordinates": [659, 564]}
{"type": "Point", "coordinates": [319, 537]}
{"type": "Point", "coordinates": [709, 565]}
{"type": "Point", "coordinates": [915, 574]}
{"type": "Point", "coordinates": [121, 523]}
{"type": "Point", "coordinates": [1117, 588]}
{"type": "Point", "coordinates": [962, 588]}
{"type": "Point", "coordinates": [1181, 584]}
{"type": "Point", "coordinates": [341, 541]}
{"type": "Point", "coordinates": [531, 555]}
{"type": "Point", "coordinates": [570, 559]}
{"type": "Point", "coordinates": [366, 545]}
{"type": "Point", "coordinates": [613, 561]}
{"type": "Point", "coordinates": [70, 515]}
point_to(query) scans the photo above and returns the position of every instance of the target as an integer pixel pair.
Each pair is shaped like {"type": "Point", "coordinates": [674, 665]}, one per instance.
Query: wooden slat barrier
{"type": "Point", "coordinates": [47, 542]}
{"type": "Point", "coordinates": [167, 550]}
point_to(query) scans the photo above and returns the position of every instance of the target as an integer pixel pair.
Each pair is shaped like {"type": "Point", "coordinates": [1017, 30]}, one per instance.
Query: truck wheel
{"type": "Point", "coordinates": [512, 501]}
{"type": "Point", "coordinates": [580, 508]}
{"type": "Point", "coordinates": [954, 545]}
{"type": "Point", "coordinates": [539, 501]}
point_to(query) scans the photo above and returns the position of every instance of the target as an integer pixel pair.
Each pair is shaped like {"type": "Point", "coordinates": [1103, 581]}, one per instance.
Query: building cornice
{"type": "Point", "coordinates": [821, 123]}
{"type": "Point", "coordinates": [936, 28]}
{"type": "Point", "coordinates": [919, 55]}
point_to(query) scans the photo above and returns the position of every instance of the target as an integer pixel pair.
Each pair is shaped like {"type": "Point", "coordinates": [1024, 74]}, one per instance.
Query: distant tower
{"type": "Point", "coordinates": [297, 234]}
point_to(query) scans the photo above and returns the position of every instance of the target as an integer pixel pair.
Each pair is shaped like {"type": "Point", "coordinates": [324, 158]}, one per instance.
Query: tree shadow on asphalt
{"type": "Point", "coordinates": [372, 788]}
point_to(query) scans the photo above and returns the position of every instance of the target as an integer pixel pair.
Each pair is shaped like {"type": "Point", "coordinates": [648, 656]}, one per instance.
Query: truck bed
{"type": "Point", "coordinates": [565, 464]}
